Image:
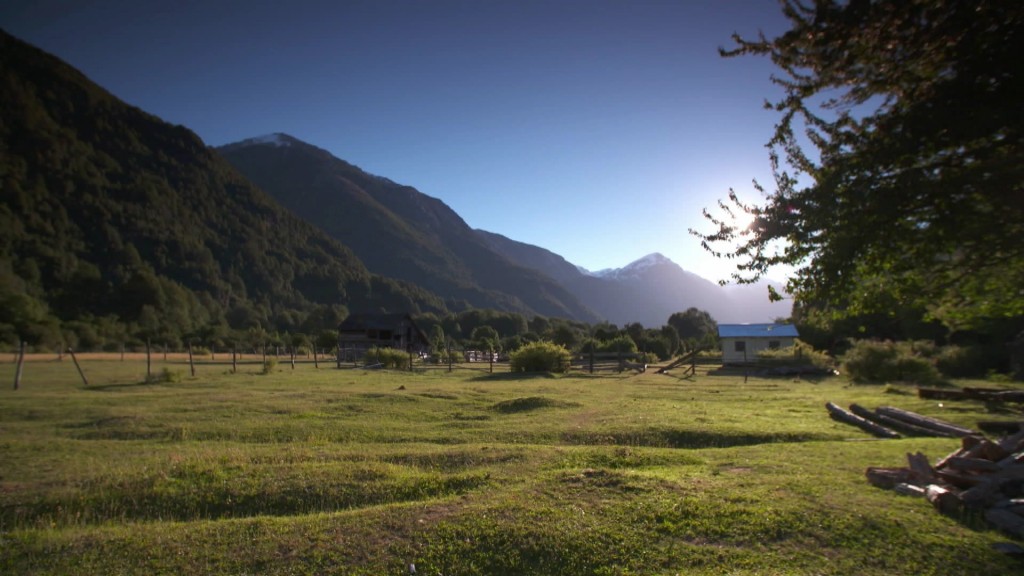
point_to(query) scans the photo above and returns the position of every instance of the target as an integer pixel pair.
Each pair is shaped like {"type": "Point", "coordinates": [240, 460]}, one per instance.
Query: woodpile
{"type": "Point", "coordinates": [890, 422]}
{"type": "Point", "coordinates": [983, 477]}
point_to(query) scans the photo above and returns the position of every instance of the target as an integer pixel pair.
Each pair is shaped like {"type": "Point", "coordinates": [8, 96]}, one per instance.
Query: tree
{"type": "Point", "coordinates": [898, 159]}
{"type": "Point", "coordinates": [485, 338]}
{"type": "Point", "coordinates": [694, 326]}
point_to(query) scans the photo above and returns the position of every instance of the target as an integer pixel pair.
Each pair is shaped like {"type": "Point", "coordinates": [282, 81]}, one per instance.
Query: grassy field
{"type": "Point", "coordinates": [332, 471]}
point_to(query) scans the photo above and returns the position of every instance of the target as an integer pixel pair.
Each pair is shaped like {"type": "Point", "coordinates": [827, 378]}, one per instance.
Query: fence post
{"type": "Point", "coordinates": [21, 364]}
{"type": "Point", "coordinates": [234, 359]}
{"type": "Point", "coordinates": [293, 356]}
{"type": "Point", "coordinates": [191, 364]}
{"type": "Point", "coordinates": [77, 365]}
{"type": "Point", "coordinates": [149, 364]}
{"type": "Point", "coordinates": [449, 356]}
{"type": "Point", "coordinates": [316, 361]}
{"type": "Point", "coordinates": [338, 357]}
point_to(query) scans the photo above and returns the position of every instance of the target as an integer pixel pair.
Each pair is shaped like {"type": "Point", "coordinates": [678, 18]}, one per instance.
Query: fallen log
{"type": "Point", "coordinates": [887, 478]}
{"type": "Point", "coordinates": [1006, 521]}
{"type": "Point", "coordinates": [893, 423]}
{"type": "Point", "coordinates": [1009, 396]}
{"type": "Point", "coordinates": [842, 415]}
{"type": "Point", "coordinates": [909, 489]}
{"type": "Point", "coordinates": [942, 394]}
{"type": "Point", "coordinates": [1000, 426]}
{"type": "Point", "coordinates": [961, 480]}
{"type": "Point", "coordinates": [977, 393]}
{"type": "Point", "coordinates": [920, 469]}
{"type": "Point", "coordinates": [945, 501]}
{"type": "Point", "coordinates": [972, 464]}
{"type": "Point", "coordinates": [924, 421]}
{"type": "Point", "coordinates": [1013, 443]}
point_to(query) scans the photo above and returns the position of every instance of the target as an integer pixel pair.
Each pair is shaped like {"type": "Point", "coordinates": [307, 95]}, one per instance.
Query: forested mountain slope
{"type": "Point", "coordinates": [397, 230]}
{"type": "Point", "coordinates": [112, 220]}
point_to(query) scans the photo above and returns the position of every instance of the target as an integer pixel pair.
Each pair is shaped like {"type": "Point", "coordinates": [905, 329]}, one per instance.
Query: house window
{"type": "Point", "coordinates": [773, 344]}
{"type": "Point", "coordinates": [741, 346]}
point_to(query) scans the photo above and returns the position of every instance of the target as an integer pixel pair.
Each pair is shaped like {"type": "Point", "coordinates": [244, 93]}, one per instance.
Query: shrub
{"type": "Point", "coordinates": [962, 362]}
{"type": "Point", "coordinates": [268, 366]}
{"type": "Point", "coordinates": [540, 357]}
{"type": "Point", "coordinates": [387, 358]}
{"type": "Point", "coordinates": [647, 358]}
{"type": "Point", "coordinates": [165, 376]}
{"type": "Point", "coordinates": [874, 361]}
{"type": "Point", "coordinates": [800, 353]}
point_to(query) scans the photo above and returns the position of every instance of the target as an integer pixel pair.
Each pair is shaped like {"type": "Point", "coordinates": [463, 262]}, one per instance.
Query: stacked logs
{"type": "Point", "coordinates": [982, 476]}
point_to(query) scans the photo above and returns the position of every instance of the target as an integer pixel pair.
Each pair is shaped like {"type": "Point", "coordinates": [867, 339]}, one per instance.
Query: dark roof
{"type": "Point", "coordinates": [362, 322]}
{"type": "Point", "coordinates": [757, 331]}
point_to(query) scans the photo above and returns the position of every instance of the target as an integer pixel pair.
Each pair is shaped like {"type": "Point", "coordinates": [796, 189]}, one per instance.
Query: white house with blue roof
{"type": "Point", "coordinates": [742, 342]}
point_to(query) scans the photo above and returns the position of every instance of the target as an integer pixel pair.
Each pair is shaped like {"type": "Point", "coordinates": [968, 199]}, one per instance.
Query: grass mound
{"type": "Point", "coordinates": [530, 403]}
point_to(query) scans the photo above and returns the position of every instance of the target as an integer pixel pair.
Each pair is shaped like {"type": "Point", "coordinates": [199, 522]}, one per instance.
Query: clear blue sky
{"type": "Point", "coordinates": [597, 129]}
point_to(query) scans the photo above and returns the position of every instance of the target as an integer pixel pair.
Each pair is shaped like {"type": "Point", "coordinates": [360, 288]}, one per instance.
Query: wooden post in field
{"type": "Point", "coordinates": [21, 364]}
{"type": "Point", "coordinates": [191, 364]}
{"type": "Point", "coordinates": [77, 365]}
{"type": "Point", "coordinates": [293, 356]}
{"type": "Point", "coordinates": [746, 369]}
{"type": "Point", "coordinates": [316, 361]}
{"type": "Point", "coordinates": [339, 356]}
{"type": "Point", "coordinates": [449, 356]}
{"type": "Point", "coordinates": [122, 351]}
{"type": "Point", "coordinates": [165, 351]}
{"type": "Point", "coordinates": [234, 360]}
{"type": "Point", "coordinates": [264, 353]}
{"type": "Point", "coordinates": [491, 356]}
{"type": "Point", "coordinates": [149, 362]}
{"type": "Point", "coordinates": [592, 346]}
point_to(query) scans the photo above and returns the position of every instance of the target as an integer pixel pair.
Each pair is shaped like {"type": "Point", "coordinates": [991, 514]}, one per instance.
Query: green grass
{"type": "Point", "coordinates": [365, 472]}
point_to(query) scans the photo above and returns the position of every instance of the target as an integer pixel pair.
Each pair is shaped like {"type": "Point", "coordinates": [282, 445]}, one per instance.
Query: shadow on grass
{"type": "Point", "coordinates": [680, 438]}
{"type": "Point", "coordinates": [687, 378]}
{"type": "Point", "coordinates": [811, 375]}
{"type": "Point", "coordinates": [122, 385]}
{"type": "Point", "coordinates": [513, 376]}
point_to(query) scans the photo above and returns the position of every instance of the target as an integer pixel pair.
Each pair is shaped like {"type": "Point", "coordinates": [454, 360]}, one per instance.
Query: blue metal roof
{"type": "Point", "coordinates": [757, 331]}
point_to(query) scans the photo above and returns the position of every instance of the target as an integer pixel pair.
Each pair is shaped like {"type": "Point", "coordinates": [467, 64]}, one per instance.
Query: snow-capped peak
{"type": "Point", "coordinates": [649, 261]}
{"type": "Point", "coordinates": [636, 268]}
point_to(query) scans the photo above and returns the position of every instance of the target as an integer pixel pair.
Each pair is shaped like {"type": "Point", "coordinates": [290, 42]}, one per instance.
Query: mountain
{"type": "Point", "coordinates": [111, 217]}
{"type": "Point", "coordinates": [648, 290]}
{"type": "Point", "coordinates": [398, 231]}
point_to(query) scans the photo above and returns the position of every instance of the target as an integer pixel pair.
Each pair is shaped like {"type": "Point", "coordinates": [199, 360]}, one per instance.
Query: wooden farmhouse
{"type": "Point", "coordinates": [360, 332]}
{"type": "Point", "coordinates": [742, 342]}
